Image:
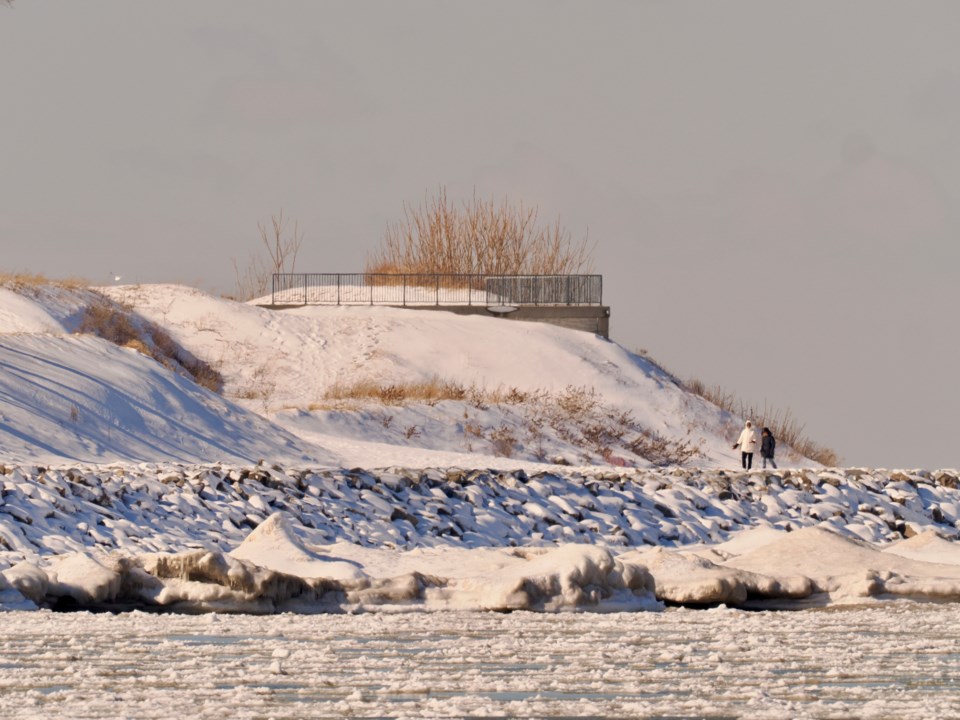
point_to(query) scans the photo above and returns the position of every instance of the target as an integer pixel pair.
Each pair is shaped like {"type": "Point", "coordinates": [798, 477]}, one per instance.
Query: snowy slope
{"type": "Point", "coordinates": [66, 397]}
{"type": "Point", "coordinates": [81, 398]}
{"type": "Point", "coordinates": [282, 364]}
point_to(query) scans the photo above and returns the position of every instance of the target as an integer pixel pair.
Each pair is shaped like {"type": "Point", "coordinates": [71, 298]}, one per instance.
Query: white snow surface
{"type": "Point", "coordinates": [282, 363]}
{"type": "Point", "coordinates": [896, 660]}
{"type": "Point", "coordinates": [266, 539]}
{"type": "Point", "coordinates": [126, 485]}
{"type": "Point", "coordinates": [78, 399]}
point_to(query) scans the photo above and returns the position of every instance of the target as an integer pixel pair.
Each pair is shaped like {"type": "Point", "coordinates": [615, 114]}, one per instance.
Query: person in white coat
{"type": "Point", "coordinates": [747, 443]}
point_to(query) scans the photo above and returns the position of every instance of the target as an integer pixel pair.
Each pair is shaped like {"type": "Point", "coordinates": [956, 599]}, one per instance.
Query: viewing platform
{"type": "Point", "coordinates": [572, 301]}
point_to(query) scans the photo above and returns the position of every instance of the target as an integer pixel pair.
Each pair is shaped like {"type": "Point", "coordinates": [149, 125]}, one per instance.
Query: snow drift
{"type": "Point", "coordinates": [268, 539]}
{"type": "Point", "coordinates": [823, 568]}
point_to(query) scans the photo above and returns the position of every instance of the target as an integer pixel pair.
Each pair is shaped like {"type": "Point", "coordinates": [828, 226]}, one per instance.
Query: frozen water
{"type": "Point", "coordinates": [896, 660]}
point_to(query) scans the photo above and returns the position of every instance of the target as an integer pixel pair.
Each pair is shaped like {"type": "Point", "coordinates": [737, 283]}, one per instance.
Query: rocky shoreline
{"type": "Point", "coordinates": [159, 508]}
{"type": "Point", "coordinates": [268, 539]}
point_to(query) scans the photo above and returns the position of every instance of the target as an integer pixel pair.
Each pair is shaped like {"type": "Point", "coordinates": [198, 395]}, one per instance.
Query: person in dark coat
{"type": "Point", "coordinates": [768, 445]}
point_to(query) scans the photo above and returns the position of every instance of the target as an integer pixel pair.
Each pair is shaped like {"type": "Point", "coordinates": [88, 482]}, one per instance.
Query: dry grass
{"type": "Point", "coordinates": [503, 439]}
{"type": "Point", "coordinates": [20, 281]}
{"type": "Point", "coordinates": [430, 391]}
{"type": "Point", "coordinates": [479, 237]}
{"type": "Point", "coordinates": [116, 324]}
{"type": "Point", "coordinates": [782, 423]}
{"type": "Point", "coordinates": [577, 415]}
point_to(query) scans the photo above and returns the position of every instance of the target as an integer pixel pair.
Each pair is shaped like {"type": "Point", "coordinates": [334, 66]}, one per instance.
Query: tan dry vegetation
{"type": "Point", "coordinates": [116, 324]}
{"type": "Point", "coordinates": [782, 423]}
{"type": "Point", "coordinates": [20, 281]}
{"type": "Point", "coordinates": [430, 391]}
{"type": "Point", "coordinates": [577, 415]}
{"type": "Point", "coordinates": [477, 237]}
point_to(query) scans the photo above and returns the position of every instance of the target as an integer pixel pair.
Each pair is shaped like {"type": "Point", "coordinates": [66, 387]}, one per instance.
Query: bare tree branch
{"type": "Point", "coordinates": [254, 280]}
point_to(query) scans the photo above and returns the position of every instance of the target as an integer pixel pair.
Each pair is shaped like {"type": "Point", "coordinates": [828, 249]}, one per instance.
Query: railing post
{"type": "Point", "coordinates": [403, 292]}
{"type": "Point", "coordinates": [338, 288]}
{"type": "Point", "coordinates": [437, 296]}
{"type": "Point", "coordinates": [304, 288]}
{"type": "Point", "coordinates": [273, 289]}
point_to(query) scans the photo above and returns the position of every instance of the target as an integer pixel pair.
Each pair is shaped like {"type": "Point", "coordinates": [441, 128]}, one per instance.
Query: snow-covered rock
{"type": "Point", "coordinates": [268, 538]}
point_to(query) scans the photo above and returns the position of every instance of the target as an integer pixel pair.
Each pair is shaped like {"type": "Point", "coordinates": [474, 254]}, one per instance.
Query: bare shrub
{"type": "Point", "coordinates": [162, 341]}
{"type": "Point", "coordinates": [577, 415]}
{"type": "Point", "coordinates": [282, 246]}
{"type": "Point", "coordinates": [479, 237]}
{"type": "Point", "coordinates": [508, 396]}
{"type": "Point", "coordinates": [205, 375]}
{"type": "Point", "coordinates": [138, 345]}
{"type": "Point", "coordinates": [577, 401]}
{"type": "Point", "coordinates": [782, 423]}
{"type": "Point", "coordinates": [503, 440]}
{"type": "Point", "coordinates": [661, 450]}
{"type": "Point", "coordinates": [109, 322]}
{"type": "Point", "coordinates": [535, 437]}
{"type": "Point", "coordinates": [114, 323]}
{"type": "Point", "coordinates": [411, 432]}
{"type": "Point", "coordinates": [260, 387]}
{"type": "Point", "coordinates": [392, 394]}
{"type": "Point", "coordinates": [384, 419]}
{"type": "Point", "coordinates": [478, 398]}
{"type": "Point", "coordinates": [472, 429]}
{"type": "Point", "coordinates": [603, 435]}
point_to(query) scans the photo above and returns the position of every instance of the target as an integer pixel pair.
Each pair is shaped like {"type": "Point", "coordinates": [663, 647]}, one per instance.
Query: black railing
{"type": "Point", "coordinates": [435, 289]}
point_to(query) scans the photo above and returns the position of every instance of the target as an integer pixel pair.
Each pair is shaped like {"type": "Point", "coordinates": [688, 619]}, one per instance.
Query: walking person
{"type": "Point", "coordinates": [768, 445]}
{"type": "Point", "coordinates": [747, 443]}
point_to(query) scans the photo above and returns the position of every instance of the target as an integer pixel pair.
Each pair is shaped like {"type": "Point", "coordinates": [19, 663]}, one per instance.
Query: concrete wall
{"type": "Point", "coordinates": [588, 318]}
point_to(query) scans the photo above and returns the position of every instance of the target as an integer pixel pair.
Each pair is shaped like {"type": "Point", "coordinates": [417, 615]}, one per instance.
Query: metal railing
{"type": "Point", "coordinates": [405, 289]}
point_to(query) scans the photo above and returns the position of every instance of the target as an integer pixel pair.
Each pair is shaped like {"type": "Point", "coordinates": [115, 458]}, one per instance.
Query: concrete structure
{"type": "Point", "coordinates": [570, 301]}
{"type": "Point", "coordinates": [588, 318]}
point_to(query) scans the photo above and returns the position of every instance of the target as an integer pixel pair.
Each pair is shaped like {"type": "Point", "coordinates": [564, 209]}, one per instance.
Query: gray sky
{"type": "Point", "coordinates": [773, 187]}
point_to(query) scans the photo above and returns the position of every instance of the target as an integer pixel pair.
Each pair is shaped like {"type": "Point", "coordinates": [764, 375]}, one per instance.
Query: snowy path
{"type": "Point", "coordinates": [896, 661]}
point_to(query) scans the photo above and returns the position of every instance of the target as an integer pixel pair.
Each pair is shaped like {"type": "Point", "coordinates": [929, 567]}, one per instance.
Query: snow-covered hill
{"type": "Point", "coordinates": [534, 392]}
{"type": "Point", "coordinates": [77, 397]}
{"type": "Point", "coordinates": [528, 393]}
{"type": "Point", "coordinates": [98, 508]}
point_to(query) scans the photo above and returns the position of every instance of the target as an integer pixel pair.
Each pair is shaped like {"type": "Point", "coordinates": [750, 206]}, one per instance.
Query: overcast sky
{"type": "Point", "coordinates": [772, 187]}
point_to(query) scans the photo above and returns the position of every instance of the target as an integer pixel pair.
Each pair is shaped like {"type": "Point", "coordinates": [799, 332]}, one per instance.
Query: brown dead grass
{"type": "Point", "coordinates": [430, 391]}
{"type": "Point", "coordinates": [117, 324]}
{"type": "Point", "coordinates": [578, 415]}
{"type": "Point", "coordinates": [786, 428]}
{"type": "Point", "coordinates": [478, 237]}
{"type": "Point", "coordinates": [20, 281]}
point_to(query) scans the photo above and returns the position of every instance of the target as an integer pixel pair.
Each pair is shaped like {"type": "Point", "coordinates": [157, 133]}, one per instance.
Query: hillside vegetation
{"type": "Point", "coordinates": [349, 386]}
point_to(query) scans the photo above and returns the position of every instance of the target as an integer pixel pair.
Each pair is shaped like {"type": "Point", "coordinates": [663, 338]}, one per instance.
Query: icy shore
{"type": "Point", "coordinates": [268, 539]}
